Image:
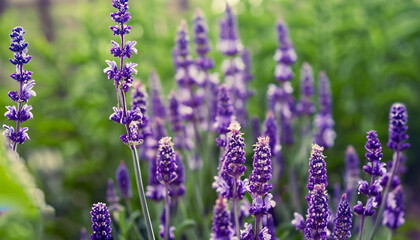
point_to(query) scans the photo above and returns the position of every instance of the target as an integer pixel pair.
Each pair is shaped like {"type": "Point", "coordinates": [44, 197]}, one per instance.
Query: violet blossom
{"type": "Point", "coordinates": [101, 221]}
{"type": "Point", "coordinates": [23, 112]}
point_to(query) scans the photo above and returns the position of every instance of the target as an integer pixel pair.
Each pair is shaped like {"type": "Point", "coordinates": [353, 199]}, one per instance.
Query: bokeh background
{"type": "Point", "coordinates": [369, 49]}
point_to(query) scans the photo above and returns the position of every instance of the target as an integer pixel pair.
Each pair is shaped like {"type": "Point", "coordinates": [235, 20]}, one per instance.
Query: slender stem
{"type": "Point", "coordinates": [390, 234]}
{"type": "Point", "coordinates": [387, 188]}
{"type": "Point", "coordinates": [167, 212]}
{"type": "Point", "coordinates": [142, 196]}
{"type": "Point", "coordinates": [235, 207]}
{"type": "Point", "coordinates": [362, 224]}
{"type": "Point", "coordinates": [257, 226]}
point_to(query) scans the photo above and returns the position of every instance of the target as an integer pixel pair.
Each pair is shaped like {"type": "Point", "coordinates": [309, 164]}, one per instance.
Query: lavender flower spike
{"type": "Point", "coordinates": [351, 175]}
{"type": "Point", "coordinates": [317, 198]}
{"type": "Point", "coordinates": [166, 173]}
{"type": "Point", "coordinates": [123, 181]}
{"type": "Point", "coordinates": [112, 198]}
{"type": "Point", "coordinates": [229, 42]}
{"type": "Point", "coordinates": [23, 77]}
{"type": "Point", "coordinates": [397, 128]}
{"type": "Point", "coordinates": [285, 55]}
{"type": "Point", "coordinates": [397, 142]}
{"type": "Point", "coordinates": [222, 229]}
{"type": "Point", "coordinates": [325, 134]}
{"type": "Point", "coordinates": [235, 155]}
{"type": "Point", "coordinates": [316, 219]}
{"type": "Point", "coordinates": [305, 105]}
{"type": "Point", "coordinates": [158, 108]}
{"type": "Point", "coordinates": [101, 221]}
{"type": "Point", "coordinates": [394, 209]}
{"type": "Point", "coordinates": [343, 223]}
{"type": "Point", "coordinates": [166, 165]}
{"type": "Point", "coordinates": [259, 179]}
{"type": "Point", "coordinates": [317, 168]}
{"type": "Point", "coordinates": [201, 40]}
{"type": "Point", "coordinates": [122, 75]}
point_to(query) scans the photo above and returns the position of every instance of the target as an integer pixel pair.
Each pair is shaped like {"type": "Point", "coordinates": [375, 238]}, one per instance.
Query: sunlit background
{"type": "Point", "coordinates": [369, 49]}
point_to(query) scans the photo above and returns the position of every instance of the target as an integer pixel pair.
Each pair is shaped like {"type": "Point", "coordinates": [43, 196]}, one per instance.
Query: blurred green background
{"type": "Point", "coordinates": [369, 49]}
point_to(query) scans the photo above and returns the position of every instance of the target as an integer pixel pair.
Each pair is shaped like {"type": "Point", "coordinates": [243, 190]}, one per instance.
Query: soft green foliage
{"type": "Point", "coordinates": [369, 49]}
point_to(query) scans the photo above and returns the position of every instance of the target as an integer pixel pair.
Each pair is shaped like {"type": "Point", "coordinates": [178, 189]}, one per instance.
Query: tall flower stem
{"type": "Point", "coordinates": [362, 224]}
{"type": "Point", "coordinates": [387, 188]}
{"type": "Point", "coordinates": [142, 196]}
{"type": "Point", "coordinates": [167, 212]}
{"type": "Point", "coordinates": [235, 208]}
{"type": "Point", "coordinates": [257, 226]}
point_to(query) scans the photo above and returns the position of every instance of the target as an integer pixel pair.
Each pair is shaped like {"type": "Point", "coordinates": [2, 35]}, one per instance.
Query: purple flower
{"type": "Point", "coordinates": [261, 206]}
{"type": "Point", "coordinates": [271, 131]}
{"type": "Point", "coordinates": [234, 157]}
{"type": "Point", "coordinates": [166, 163]}
{"type": "Point", "coordinates": [201, 40]}
{"type": "Point", "coordinates": [375, 169]}
{"type": "Point", "coordinates": [20, 113]}
{"type": "Point", "coordinates": [158, 108]}
{"type": "Point", "coordinates": [123, 181]}
{"type": "Point", "coordinates": [374, 154]}
{"type": "Point", "coordinates": [83, 234]}
{"type": "Point", "coordinates": [155, 190]}
{"type": "Point", "coordinates": [101, 221]}
{"type": "Point", "coordinates": [324, 123]}
{"type": "Point", "coordinates": [316, 220]}
{"type": "Point", "coordinates": [175, 117]}
{"type": "Point", "coordinates": [397, 128]}
{"type": "Point", "coordinates": [393, 216]}
{"type": "Point", "coordinates": [298, 222]}
{"type": "Point", "coordinates": [229, 42]}
{"type": "Point", "coordinates": [122, 15]}
{"type": "Point", "coordinates": [221, 229]}
{"type": "Point", "coordinates": [351, 175]}
{"type": "Point", "coordinates": [261, 173]}
{"type": "Point", "coordinates": [122, 78]}
{"type": "Point", "coordinates": [271, 227]}
{"type": "Point", "coordinates": [176, 187]}
{"type": "Point", "coordinates": [111, 197]}
{"type": "Point", "coordinates": [343, 223]}
{"type": "Point", "coordinates": [224, 110]}
{"type": "Point", "coordinates": [285, 54]}
{"type": "Point", "coordinates": [231, 166]}
{"type": "Point", "coordinates": [317, 169]}
{"type": "Point", "coordinates": [367, 210]}
{"type": "Point", "coordinates": [248, 233]}
{"type": "Point", "coordinates": [305, 105]}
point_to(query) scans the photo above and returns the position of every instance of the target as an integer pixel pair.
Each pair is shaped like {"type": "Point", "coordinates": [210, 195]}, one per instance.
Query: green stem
{"type": "Point", "coordinates": [142, 196]}
{"type": "Point", "coordinates": [390, 234]}
{"type": "Point", "coordinates": [167, 213]}
{"type": "Point", "coordinates": [257, 226]}
{"type": "Point", "coordinates": [362, 224]}
{"type": "Point", "coordinates": [235, 208]}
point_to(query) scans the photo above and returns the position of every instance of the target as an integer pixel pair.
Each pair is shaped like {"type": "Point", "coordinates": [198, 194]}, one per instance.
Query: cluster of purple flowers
{"type": "Point", "coordinates": [226, 114]}
{"type": "Point", "coordinates": [123, 75]}
{"type": "Point", "coordinates": [24, 78]}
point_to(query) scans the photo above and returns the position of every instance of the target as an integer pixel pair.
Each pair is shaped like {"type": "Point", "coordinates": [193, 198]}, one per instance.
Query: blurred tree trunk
{"type": "Point", "coordinates": [44, 8]}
